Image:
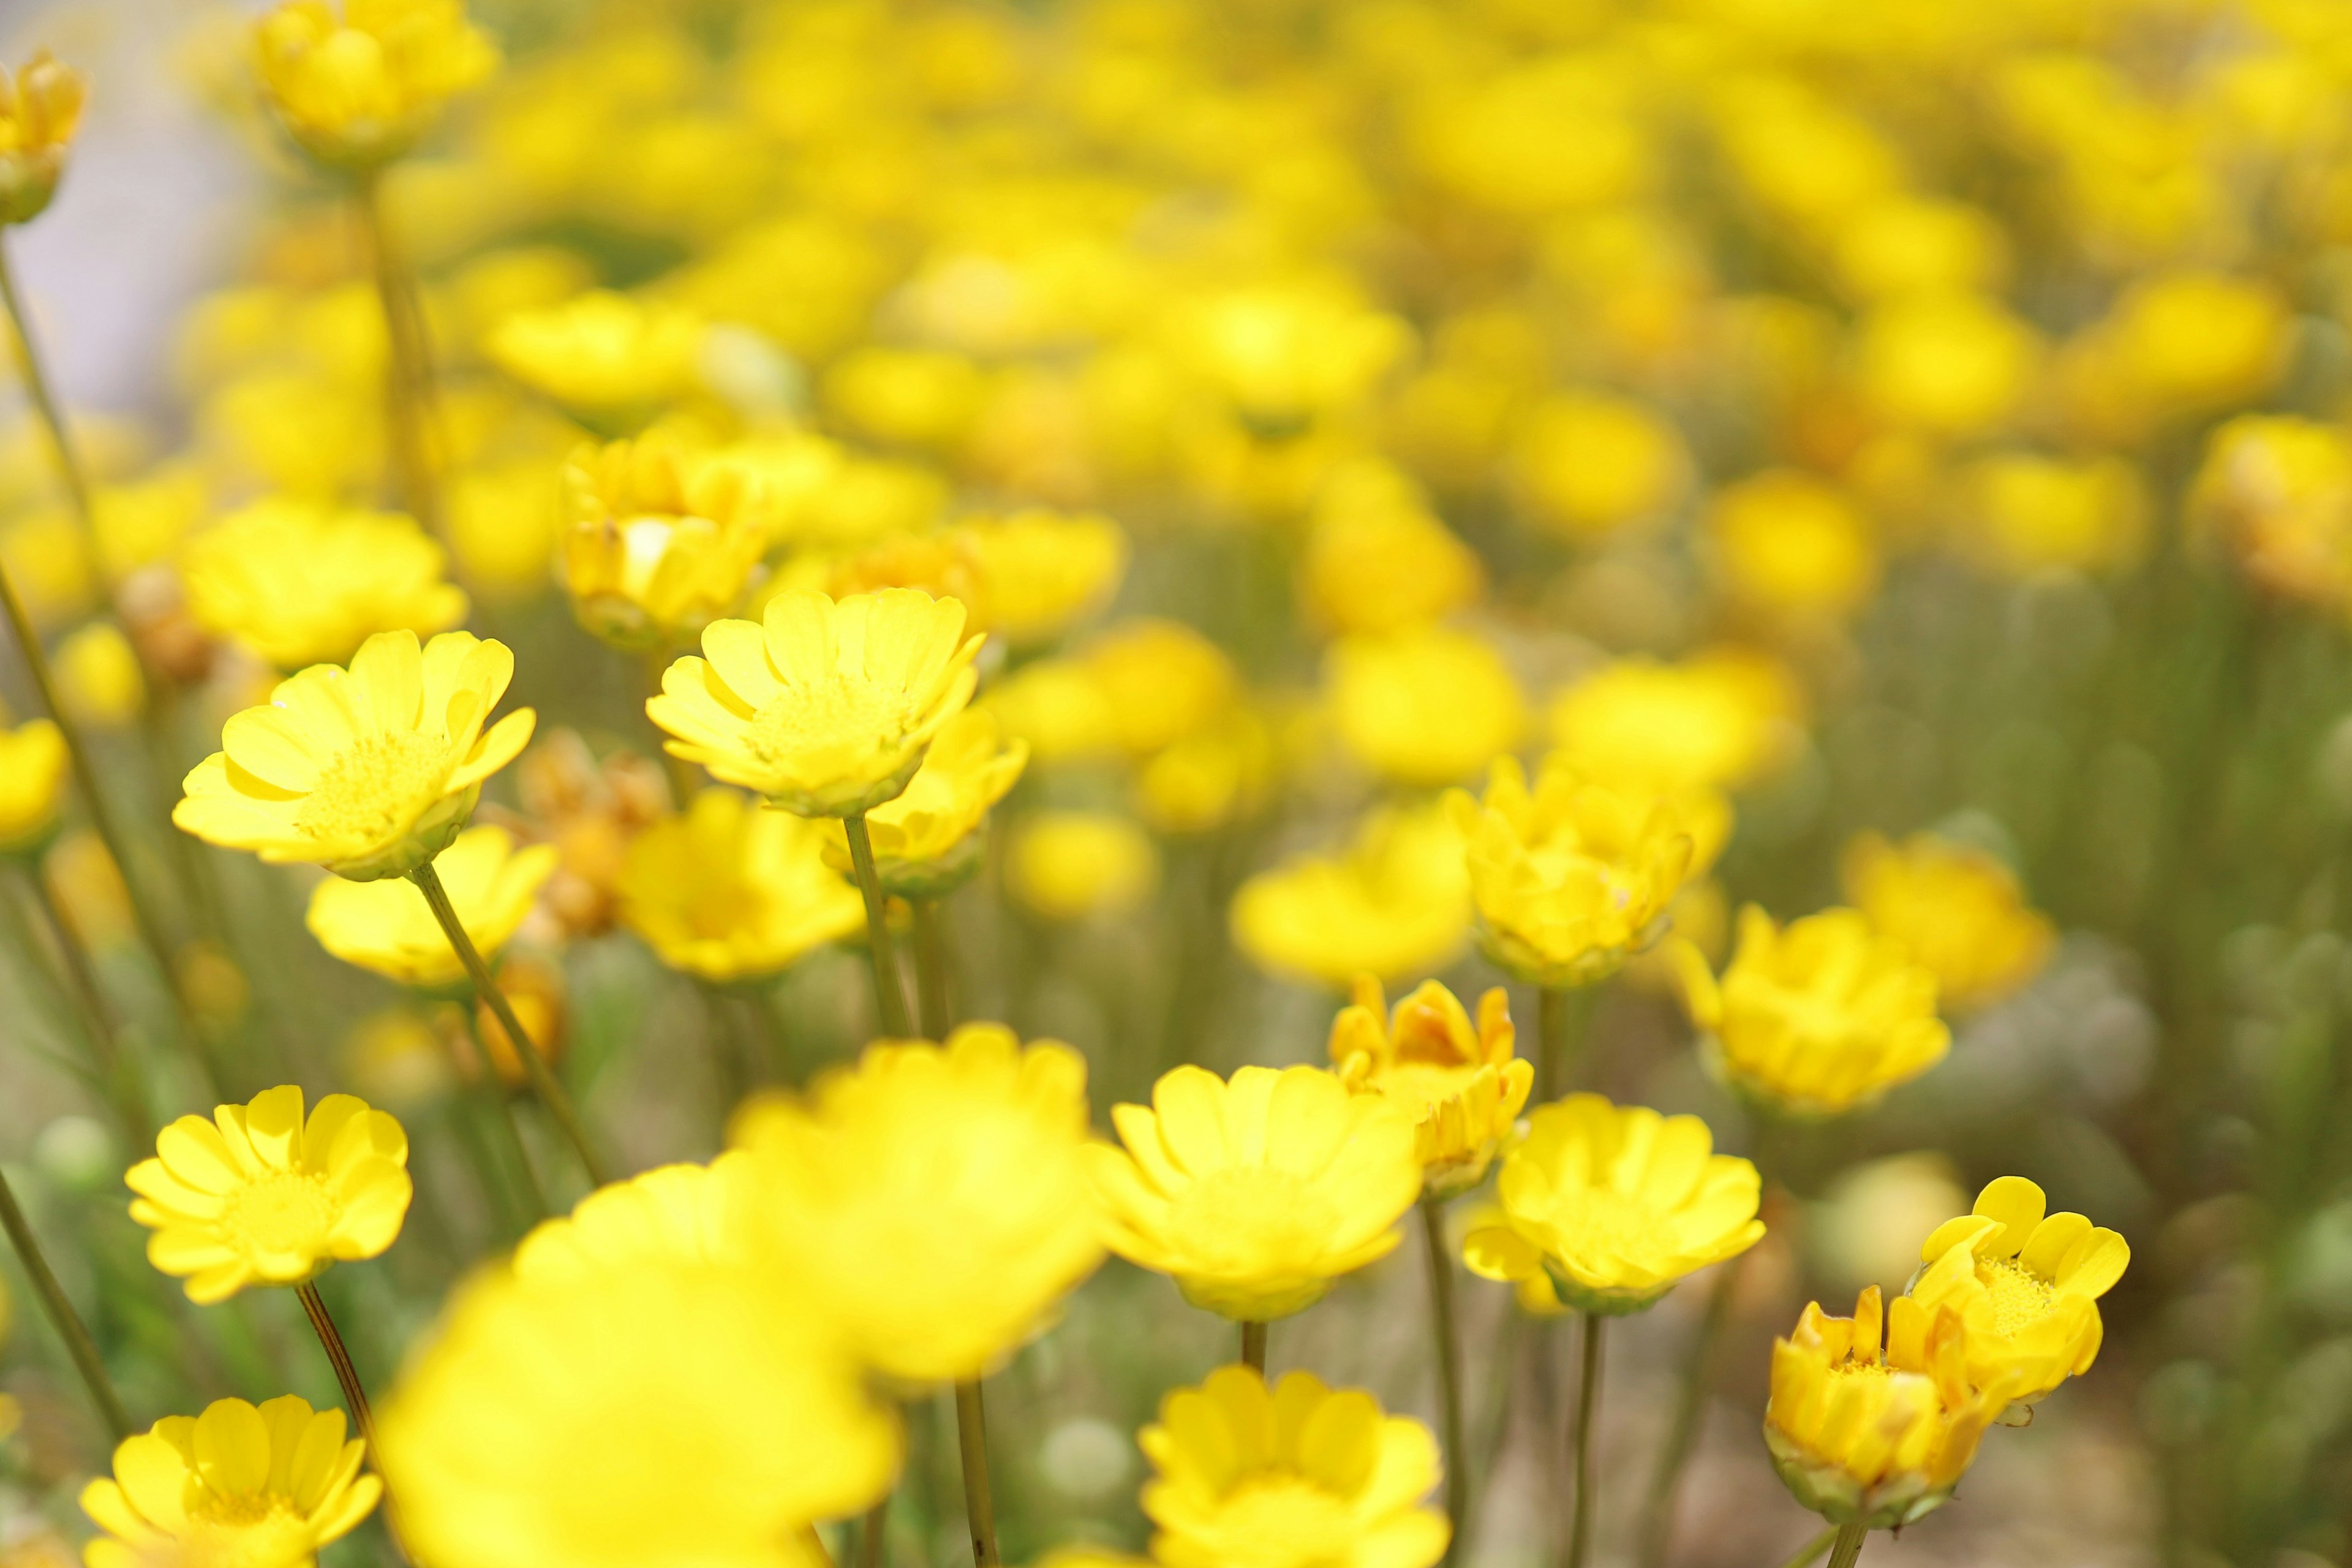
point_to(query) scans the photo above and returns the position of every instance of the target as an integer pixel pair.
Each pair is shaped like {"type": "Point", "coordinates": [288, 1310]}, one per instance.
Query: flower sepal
{"type": "Point", "coordinates": [1832, 1492]}
{"type": "Point", "coordinates": [434, 831]}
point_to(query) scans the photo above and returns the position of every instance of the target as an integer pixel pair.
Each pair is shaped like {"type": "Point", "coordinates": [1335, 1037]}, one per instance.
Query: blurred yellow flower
{"type": "Point", "coordinates": [260, 1487]}
{"type": "Point", "coordinates": [908, 397]}
{"type": "Point", "coordinates": [928, 841]}
{"type": "Point", "coordinates": [1953, 365]}
{"type": "Point", "coordinates": [1159, 682]}
{"type": "Point", "coordinates": [1394, 902]}
{"type": "Point", "coordinates": [141, 521]}
{"type": "Point", "coordinates": [933, 1198]}
{"type": "Point", "coordinates": [1258, 1194]}
{"type": "Point", "coordinates": [1615, 1204]}
{"type": "Point", "coordinates": [505, 525]}
{"type": "Point", "coordinates": [2027, 1284]}
{"type": "Point", "coordinates": [40, 108]}
{"type": "Point", "coordinates": [1463, 1085]}
{"type": "Point", "coordinates": [660, 541]}
{"type": "Point", "coordinates": [826, 708]}
{"type": "Point", "coordinates": [609, 360]}
{"type": "Point", "coordinates": [731, 890]}
{"type": "Point", "coordinates": [1869, 1433]}
{"type": "Point", "coordinates": [2188, 343]}
{"type": "Point", "coordinates": [1040, 572]}
{"type": "Point", "coordinates": [386, 927]}
{"type": "Point", "coordinates": [1589, 464]}
{"type": "Point", "coordinates": [1717, 719]}
{"type": "Point", "coordinates": [1385, 566]}
{"type": "Point", "coordinates": [1792, 546]}
{"type": "Point", "coordinates": [33, 764]}
{"type": "Point", "coordinates": [298, 583]}
{"type": "Point", "coordinates": [1285, 355]}
{"type": "Point", "coordinates": [1056, 707]}
{"type": "Point", "coordinates": [672, 1216]}
{"type": "Point", "coordinates": [1920, 245]}
{"type": "Point", "coordinates": [360, 88]}
{"type": "Point", "coordinates": [2024, 512]}
{"type": "Point", "coordinates": [2277, 489]}
{"type": "Point", "coordinates": [1067, 864]}
{"type": "Point", "coordinates": [1212, 776]}
{"type": "Point", "coordinates": [1959, 913]}
{"type": "Point", "coordinates": [259, 1196]}
{"type": "Point", "coordinates": [98, 677]}
{"type": "Point", "coordinates": [1297, 1476]}
{"type": "Point", "coordinates": [1426, 706]}
{"type": "Point", "coordinates": [1819, 1017]}
{"type": "Point", "coordinates": [370, 772]}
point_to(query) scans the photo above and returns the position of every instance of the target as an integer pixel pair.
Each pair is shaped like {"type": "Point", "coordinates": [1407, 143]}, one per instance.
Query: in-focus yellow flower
{"type": "Point", "coordinates": [33, 764]}
{"type": "Point", "coordinates": [1572, 878]}
{"type": "Point", "coordinates": [370, 772]}
{"type": "Point", "coordinates": [39, 109]}
{"type": "Point", "coordinates": [1395, 902]}
{"type": "Point", "coordinates": [934, 1197]}
{"type": "Point", "coordinates": [2277, 489]}
{"type": "Point", "coordinates": [729, 890]}
{"type": "Point", "coordinates": [1258, 1194]}
{"type": "Point", "coordinates": [1615, 1204]}
{"type": "Point", "coordinates": [1297, 1476]}
{"type": "Point", "coordinates": [1067, 864]}
{"type": "Point", "coordinates": [1717, 719]}
{"type": "Point", "coordinates": [1589, 465]}
{"type": "Point", "coordinates": [2024, 512]}
{"type": "Point", "coordinates": [298, 583]}
{"type": "Point", "coordinates": [256, 1486]}
{"type": "Point", "coordinates": [611, 360]}
{"type": "Point", "coordinates": [385, 926]}
{"type": "Point", "coordinates": [1959, 913]}
{"type": "Point", "coordinates": [358, 89]}
{"type": "Point", "coordinates": [1431, 706]}
{"type": "Point", "coordinates": [1790, 545]}
{"type": "Point", "coordinates": [660, 541]}
{"type": "Point", "coordinates": [1819, 1017]}
{"type": "Point", "coordinates": [259, 1196]}
{"type": "Point", "coordinates": [928, 841]}
{"type": "Point", "coordinates": [1463, 1085]}
{"type": "Point", "coordinates": [1871, 1434]}
{"type": "Point", "coordinates": [1040, 572]}
{"type": "Point", "coordinates": [98, 677]}
{"type": "Point", "coordinates": [2027, 1284]}
{"type": "Point", "coordinates": [826, 708]}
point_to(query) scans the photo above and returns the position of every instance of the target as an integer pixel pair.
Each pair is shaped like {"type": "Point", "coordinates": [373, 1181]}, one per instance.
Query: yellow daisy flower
{"type": "Point", "coordinates": [33, 764]}
{"type": "Point", "coordinates": [1959, 911]}
{"type": "Point", "coordinates": [1425, 707]}
{"type": "Point", "coordinates": [1616, 1204]}
{"type": "Point", "coordinates": [826, 708]}
{"type": "Point", "coordinates": [729, 890]}
{"type": "Point", "coordinates": [1715, 721]}
{"type": "Point", "coordinates": [1072, 865]}
{"type": "Point", "coordinates": [39, 111]}
{"type": "Point", "coordinates": [1464, 1086]}
{"type": "Point", "coordinates": [259, 1196]}
{"type": "Point", "coordinates": [660, 541]}
{"type": "Point", "coordinates": [369, 772]}
{"type": "Point", "coordinates": [386, 927]}
{"type": "Point", "coordinates": [610, 360]}
{"type": "Point", "coordinates": [1395, 901]}
{"type": "Point", "coordinates": [1258, 1194]}
{"type": "Point", "coordinates": [1297, 1476]}
{"type": "Point", "coordinates": [928, 841]}
{"type": "Point", "coordinates": [1040, 572]}
{"type": "Point", "coordinates": [298, 583]}
{"type": "Point", "coordinates": [256, 1486]}
{"type": "Point", "coordinates": [670, 1216]}
{"type": "Point", "coordinates": [359, 89]}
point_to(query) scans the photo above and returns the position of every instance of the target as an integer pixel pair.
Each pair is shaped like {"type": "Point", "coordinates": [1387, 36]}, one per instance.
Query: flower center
{"type": "Point", "coordinates": [1252, 1217]}
{"type": "Point", "coordinates": [1286, 1519]}
{"type": "Point", "coordinates": [376, 788]}
{"type": "Point", "coordinates": [832, 715]}
{"type": "Point", "coordinates": [283, 1212]}
{"type": "Point", "coordinates": [250, 1530]}
{"type": "Point", "coordinates": [2021, 1298]}
{"type": "Point", "coordinates": [1599, 1223]}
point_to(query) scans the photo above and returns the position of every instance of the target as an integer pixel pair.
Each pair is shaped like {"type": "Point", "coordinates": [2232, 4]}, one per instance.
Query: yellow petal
{"type": "Point", "coordinates": [2017, 1204]}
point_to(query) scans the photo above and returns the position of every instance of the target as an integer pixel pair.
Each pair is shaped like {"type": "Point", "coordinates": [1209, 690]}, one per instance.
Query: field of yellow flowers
{"type": "Point", "coordinates": [1226, 783]}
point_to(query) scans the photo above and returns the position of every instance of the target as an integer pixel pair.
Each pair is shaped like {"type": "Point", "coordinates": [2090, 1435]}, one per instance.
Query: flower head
{"type": "Point", "coordinates": [1395, 901]}
{"type": "Point", "coordinates": [1296, 1476]}
{"type": "Point", "coordinates": [1070, 865]}
{"type": "Point", "coordinates": [729, 890]}
{"type": "Point", "coordinates": [1715, 721]}
{"type": "Point", "coordinates": [254, 1486]}
{"type": "Point", "coordinates": [609, 360]}
{"type": "Point", "coordinates": [660, 543]}
{"type": "Point", "coordinates": [934, 1196]}
{"type": "Point", "coordinates": [1870, 1433]}
{"type": "Point", "coordinates": [1380, 562]}
{"type": "Point", "coordinates": [360, 90]}
{"type": "Point", "coordinates": [1040, 572]}
{"type": "Point", "coordinates": [1429, 706]}
{"type": "Point", "coordinates": [1616, 1203]}
{"type": "Point", "coordinates": [1959, 911]}
{"type": "Point", "coordinates": [1817, 1017]}
{"type": "Point", "coordinates": [259, 1196]}
{"type": "Point", "coordinates": [2277, 489]}
{"type": "Point", "coordinates": [369, 772]}
{"type": "Point", "coordinates": [40, 108]}
{"type": "Point", "coordinates": [1463, 1085]}
{"type": "Point", "coordinates": [1792, 546]}
{"type": "Point", "coordinates": [928, 841]}
{"type": "Point", "coordinates": [826, 708]}
{"type": "Point", "coordinates": [32, 783]}
{"type": "Point", "coordinates": [387, 927]}
{"type": "Point", "coordinates": [1258, 1194]}
{"type": "Point", "coordinates": [2026, 1283]}
{"type": "Point", "coordinates": [298, 583]}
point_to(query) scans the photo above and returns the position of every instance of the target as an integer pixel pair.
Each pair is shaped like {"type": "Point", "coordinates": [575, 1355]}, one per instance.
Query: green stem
{"type": "Point", "coordinates": [97, 1019]}
{"type": "Point", "coordinates": [871, 1534]}
{"type": "Point", "coordinates": [1690, 1406]}
{"type": "Point", "coordinates": [1847, 1547]}
{"type": "Point", "coordinates": [492, 1092]}
{"type": "Point", "coordinates": [1449, 1367]}
{"type": "Point", "coordinates": [1254, 1347]}
{"type": "Point", "coordinates": [930, 968]}
{"type": "Point", "coordinates": [543, 1081]}
{"type": "Point", "coordinates": [409, 377]}
{"type": "Point", "coordinates": [979, 1505]}
{"type": "Point", "coordinates": [1812, 1550]}
{"type": "Point", "coordinates": [62, 1316]}
{"type": "Point", "coordinates": [890, 994]}
{"type": "Point", "coordinates": [1587, 1400]}
{"type": "Point", "coordinates": [347, 1375]}
{"type": "Point", "coordinates": [1562, 1015]}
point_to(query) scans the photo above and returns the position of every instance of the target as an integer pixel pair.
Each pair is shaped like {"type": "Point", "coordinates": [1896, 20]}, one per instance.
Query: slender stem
{"type": "Point", "coordinates": [346, 1376]}
{"type": "Point", "coordinates": [979, 1505]}
{"type": "Point", "coordinates": [409, 377]}
{"type": "Point", "coordinates": [1847, 1548]}
{"type": "Point", "coordinates": [1449, 1367]}
{"type": "Point", "coordinates": [872, 1531]}
{"type": "Point", "coordinates": [97, 1018]}
{"type": "Point", "coordinates": [890, 994]}
{"type": "Point", "coordinates": [493, 1092]}
{"type": "Point", "coordinates": [1254, 1347]}
{"type": "Point", "coordinates": [1587, 1400]}
{"type": "Point", "coordinates": [930, 968]}
{"type": "Point", "coordinates": [1658, 1508]}
{"type": "Point", "coordinates": [550, 1093]}
{"type": "Point", "coordinates": [62, 1316]}
{"type": "Point", "coordinates": [1812, 1550]}
{"type": "Point", "coordinates": [1562, 1015]}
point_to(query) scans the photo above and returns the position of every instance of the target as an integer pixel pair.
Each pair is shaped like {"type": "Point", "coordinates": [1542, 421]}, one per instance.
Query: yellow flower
{"type": "Point", "coordinates": [1057, 707]}
{"type": "Point", "coordinates": [1067, 864]}
{"type": "Point", "coordinates": [360, 90]}
{"type": "Point", "coordinates": [259, 1196]}
{"type": "Point", "coordinates": [1793, 546]}
{"type": "Point", "coordinates": [825, 709]}
{"type": "Point", "coordinates": [1256, 1194]}
{"type": "Point", "coordinates": [258, 1487]}
{"type": "Point", "coordinates": [1385, 565]}
{"type": "Point", "coordinates": [934, 1198]}
{"type": "Point", "coordinates": [370, 772]}
{"type": "Point", "coordinates": [1210, 777]}
{"type": "Point", "coordinates": [1425, 707]}
{"type": "Point", "coordinates": [298, 583]}
{"type": "Point", "coordinates": [660, 541]}
{"type": "Point", "coordinates": [908, 397]}
{"type": "Point", "coordinates": [1718, 719]}
{"type": "Point", "coordinates": [33, 764]}
{"type": "Point", "coordinates": [1870, 1434]}
{"type": "Point", "coordinates": [928, 841]}
{"type": "Point", "coordinates": [1040, 572]}
{"type": "Point", "coordinates": [1588, 464]}
{"type": "Point", "coordinates": [729, 891]}
{"type": "Point", "coordinates": [1615, 1204]}
{"type": "Point", "coordinates": [386, 927]}
{"type": "Point", "coordinates": [610, 360]}
{"type": "Point", "coordinates": [98, 677]}
{"type": "Point", "coordinates": [2027, 1284]}
{"type": "Point", "coordinates": [2025, 512]}
{"type": "Point", "coordinates": [1951, 364]}
{"type": "Point", "coordinates": [1297, 1476]}
{"type": "Point", "coordinates": [1958, 910]}
{"type": "Point", "coordinates": [2186, 343]}
{"type": "Point", "coordinates": [505, 524]}
{"type": "Point", "coordinates": [672, 1216]}
{"type": "Point", "coordinates": [39, 111]}
{"type": "Point", "coordinates": [1159, 682]}
{"type": "Point", "coordinates": [1281, 356]}
{"type": "Point", "coordinates": [2277, 488]}
{"type": "Point", "coordinates": [1464, 1086]}
{"type": "Point", "coordinates": [1394, 902]}
{"type": "Point", "coordinates": [1573, 877]}
{"type": "Point", "coordinates": [1819, 1018]}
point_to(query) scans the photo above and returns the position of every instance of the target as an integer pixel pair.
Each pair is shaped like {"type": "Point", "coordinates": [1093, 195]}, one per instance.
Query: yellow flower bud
{"type": "Point", "coordinates": [40, 108]}
{"type": "Point", "coordinates": [33, 764]}
{"type": "Point", "coordinates": [1067, 864]}
{"type": "Point", "coordinates": [359, 90]}
{"type": "Point", "coordinates": [1463, 1085]}
{"type": "Point", "coordinates": [1793, 546]}
{"type": "Point", "coordinates": [660, 541]}
{"type": "Point", "coordinates": [1588, 464]}
{"type": "Point", "coordinates": [99, 679]}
